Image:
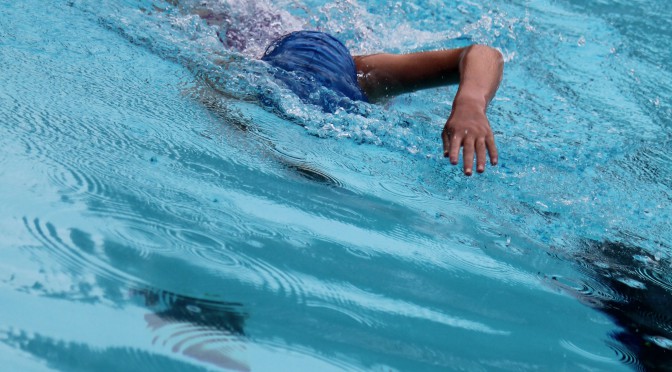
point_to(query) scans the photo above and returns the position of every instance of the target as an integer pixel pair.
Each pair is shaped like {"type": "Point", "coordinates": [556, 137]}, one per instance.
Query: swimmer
{"type": "Point", "coordinates": [310, 56]}
{"type": "Point", "coordinates": [308, 60]}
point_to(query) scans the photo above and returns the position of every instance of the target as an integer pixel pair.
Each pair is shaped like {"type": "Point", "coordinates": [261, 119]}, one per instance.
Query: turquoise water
{"type": "Point", "coordinates": [165, 205]}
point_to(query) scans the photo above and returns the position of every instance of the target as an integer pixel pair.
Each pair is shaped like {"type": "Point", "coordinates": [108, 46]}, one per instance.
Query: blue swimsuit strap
{"type": "Point", "coordinates": [314, 58]}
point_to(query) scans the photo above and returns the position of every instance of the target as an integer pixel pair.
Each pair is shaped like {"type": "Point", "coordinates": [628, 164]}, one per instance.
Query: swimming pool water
{"type": "Point", "coordinates": [165, 205]}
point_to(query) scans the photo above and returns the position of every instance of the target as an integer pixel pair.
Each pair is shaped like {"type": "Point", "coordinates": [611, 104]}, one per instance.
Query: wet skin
{"type": "Point", "coordinates": [478, 69]}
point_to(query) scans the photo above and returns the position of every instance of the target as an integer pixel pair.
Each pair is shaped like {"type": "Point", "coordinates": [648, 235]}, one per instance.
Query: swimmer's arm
{"type": "Point", "coordinates": [478, 70]}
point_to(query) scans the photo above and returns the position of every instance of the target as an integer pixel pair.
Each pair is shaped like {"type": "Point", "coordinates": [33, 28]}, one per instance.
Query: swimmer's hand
{"type": "Point", "coordinates": [468, 127]}
{"type": "Point", "coordinates": [477, 68]}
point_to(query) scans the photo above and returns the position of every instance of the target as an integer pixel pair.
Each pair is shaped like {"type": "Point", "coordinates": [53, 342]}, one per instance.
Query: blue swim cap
{"type": "Point", "coordinates": [309, 60]}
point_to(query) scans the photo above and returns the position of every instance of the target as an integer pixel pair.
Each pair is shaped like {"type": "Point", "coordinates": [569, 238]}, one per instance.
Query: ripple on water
{"type": "Point", "coordinates": [78, 251]}
{"type": "Point", "coordinates": [82, 154]}
{"type": "Point", "coordinates": [593, 293]}
{"type": "Point", "coordinates": [149, 232]}
{"type": "Point", "coordinates": [74, 182]}
{"type": "Point", "coordinates": [185, 210]}
{"type": "Point", "coordinates": [296, 158]}
{"type": "Point", "coordinates": [401, 191]}
{"type": "Point", "coordinates": [656, 276]}
{"type": "Point", "coordinates": [146, 236]}
{"type": "Point", "coordinates": [368, 321]}
{"type": "Point", "coordinates": [568, 345]}
{"type": "Point", "coordinates": [277, 280]}
{"type": "Point", "coordinates": [203, 170]}
{"type": "Point", "coordinates": [207, 248]}
{"type": "Point", "coordinates": [625, 356]}
{"type": "Point", "coordinates": [312, 173]}
{"type": "Point", "coordinates": [54, 351]}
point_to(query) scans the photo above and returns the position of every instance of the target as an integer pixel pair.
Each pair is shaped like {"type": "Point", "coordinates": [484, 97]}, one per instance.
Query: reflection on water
{"type": "Point", "coordinates": [205, 330]}
{"type": "Point", "coordinates": [56, 355]}
{"type": "Point", "coordinates": [171, 307]}
{"type": "Point", "coordinates": [644, 285]}
{"type": "Point", "coordinates": [187, 334]}
{"type": "Point", "coordinates": [634, 288]}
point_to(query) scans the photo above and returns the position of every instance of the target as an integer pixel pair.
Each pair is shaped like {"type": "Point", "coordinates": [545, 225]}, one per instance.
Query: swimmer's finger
{"type": "Point", "coordinates": [492, 149]}
{"type": "Point", "coordinates": [480, 155]}
{"type": "Point", "coordinates": [468, 156]}
{"type": "Point", "coordinates": [445, 137]}
{"type": "Point", "coordinates": [454, 149]}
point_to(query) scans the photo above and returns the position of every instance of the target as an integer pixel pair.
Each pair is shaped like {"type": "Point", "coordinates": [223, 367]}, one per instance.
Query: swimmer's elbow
{"type": "Point", "coordinates": [485, 52]}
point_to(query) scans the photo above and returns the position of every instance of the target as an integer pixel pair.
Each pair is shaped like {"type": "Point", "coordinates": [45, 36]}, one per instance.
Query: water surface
{"type": "Point", "coordinates": [166, 205]}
